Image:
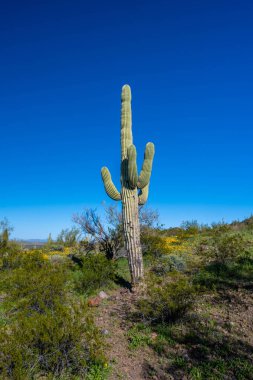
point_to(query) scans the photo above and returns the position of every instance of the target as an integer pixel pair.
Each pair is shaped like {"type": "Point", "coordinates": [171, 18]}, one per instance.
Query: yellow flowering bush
{"type": "Point", "coordinates": [46, 254]}
{"type": "Point", "coordinates": [173, 244]}
{"type": "Point", "coordinates": [156, 244]}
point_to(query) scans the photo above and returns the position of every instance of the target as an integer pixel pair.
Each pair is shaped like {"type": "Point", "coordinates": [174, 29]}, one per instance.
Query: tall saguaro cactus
{"type": "Point", "coordinates": [134, 188]}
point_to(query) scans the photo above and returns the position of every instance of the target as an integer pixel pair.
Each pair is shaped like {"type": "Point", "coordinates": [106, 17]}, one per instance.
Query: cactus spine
{"type": "Point", "coordinates": [134, 188]}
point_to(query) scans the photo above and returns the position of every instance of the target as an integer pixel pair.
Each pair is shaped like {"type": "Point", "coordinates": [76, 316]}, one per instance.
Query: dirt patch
{"type": "Point", "coordinates": [223, 318]}
{"type": "Point", "coordinates": [112, 319]}
{"type": "Point", "coordinates": [232, 311]}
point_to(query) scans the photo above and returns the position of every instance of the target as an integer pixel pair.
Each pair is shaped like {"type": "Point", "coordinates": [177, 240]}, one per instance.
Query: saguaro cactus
{"type": "Point", "coordinates": [134, 188]}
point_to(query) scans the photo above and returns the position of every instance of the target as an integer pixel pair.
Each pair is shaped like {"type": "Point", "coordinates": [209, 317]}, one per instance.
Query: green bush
{"type": "Point", "coordinates": [68, 237]}
{"type": "Point", "coordinates": [229, 247]}
{"type": "Point", "coordinates": [167, 301]}
{"type": "Point", "coordinates": [189, 228]}
{"type": "Point", "coordinates": [96, 272]}
{"type": "Point", "coordinates": [53, 342]}
{"type": "Point", "coordinates": [47, 332]}
{"type": "Point", "coordinates": [153, 244]}
{"type": "Point", "coordinates": [10, 256]}
{"type": "Point", "coordinates": [36, 284]}
{"type": "Point", "coordinates": [168, 263]}
{"type": "Point", "coordinates": [139, 336]}
{"type": "Point", "coordinates": [223, 247]}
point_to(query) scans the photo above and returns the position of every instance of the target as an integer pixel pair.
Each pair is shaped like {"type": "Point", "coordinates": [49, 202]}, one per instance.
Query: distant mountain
{"type": "Point", "coordinates": [36, 240]}
{"type": "Point", "coordinates": [32, 243]}
{"type": "Point", "coordinates": [31, 240]}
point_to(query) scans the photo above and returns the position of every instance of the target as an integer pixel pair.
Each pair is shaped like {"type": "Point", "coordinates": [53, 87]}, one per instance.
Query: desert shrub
{"type": "Point", "coordinates": [220, 228]}
{"type": "Point", "coordinates": [229, 247]}
{"type": "Point", "coordinates": [9, 250]}
{"type": "Point", "coordinates": [54, 247]}
{"type": "Point", "coordinates": [11, 256]}
{"type": "Point", "coordinates": [4, 239]}
{"type": "Point", "coordinates": [106, 235]}
{"type": "Point", "coordinates": [58, 259]}
{"type": "Point", "coordinates": [139, 336]}
{"type": "Point", "coordinates": [216, 275]}
{"type": "Point", "coordinates": [96, 272]}
{"type": "Point", "coordinates": [54, 342]}
{"type": "Point", "coordinates": [248, 223]}
{"type": "Point", "coordinates": [168, 263]}
{"type": "Point", "coordinates": [190, 227]}
{"type": "Point", "coordinates": [167, 300]}
{"type": "Point", "coordinates": [36, 284]}
{"type": "Point", "coordinates": [223, 247]}
{"type": "Point", "coordinates": [226, 259]}
{"type": "Point", "coordinates": [153, 244]}
{"type": "Point", "coordinates": [47, 333]}
{"type": "Point", "coordinates": [68, 237]}
{"type": "Point", "coordinates": [5, 231]}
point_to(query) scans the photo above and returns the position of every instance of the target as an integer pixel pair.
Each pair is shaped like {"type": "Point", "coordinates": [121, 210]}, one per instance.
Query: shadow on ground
{"type": "Point", "coordinates": [200, 349]}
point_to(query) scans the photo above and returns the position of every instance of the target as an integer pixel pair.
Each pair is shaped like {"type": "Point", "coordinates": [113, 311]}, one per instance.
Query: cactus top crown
{"type": "Point", "coordinates": [126, 93]}
{"type": "Point", "coordinates": [126, 121]}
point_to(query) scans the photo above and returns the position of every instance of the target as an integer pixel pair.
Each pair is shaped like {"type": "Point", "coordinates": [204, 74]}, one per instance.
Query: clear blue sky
{"type": "Point", "coordinates": [190, 66]}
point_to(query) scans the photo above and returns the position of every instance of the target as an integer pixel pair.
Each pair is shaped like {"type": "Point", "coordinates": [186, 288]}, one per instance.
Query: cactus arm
{"type": "Point", "coordinates": [146, 170]}
{"type": "Point", "coordinates": [143, 195]}
{"type": "Point", "coordinates": [110, 188]}
{"type": "Point", "coordinates": [126, 121]}
{"type": "Point", "coordinates": [132, 166]}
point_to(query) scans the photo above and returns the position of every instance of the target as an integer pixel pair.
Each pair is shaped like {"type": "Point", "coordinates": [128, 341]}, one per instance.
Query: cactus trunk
{"type": "Point", "coordinates": [130, 183]}
{"type": "Point", "coordinates": [131, 226]}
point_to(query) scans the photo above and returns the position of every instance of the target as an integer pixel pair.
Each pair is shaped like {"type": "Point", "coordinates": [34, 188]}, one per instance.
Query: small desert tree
{"type": "Point", "coordinates": [5, 231]}
{"type": "Point", "coordinates": [106, 234]}
{"type": "Point", "coordinates": [68, 237]}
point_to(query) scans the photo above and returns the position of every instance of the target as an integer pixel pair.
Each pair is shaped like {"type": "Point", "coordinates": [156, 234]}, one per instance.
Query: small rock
{"type": "Point", "coordinates": [104, 332]}
{"type": "Point", "coordinates": [93, 302]}
{"type": "Point", "coordinates": [57, 259]}
{"type": "Point", "coordinates": [124, 291]}
{"type": "Point", "coordinates": [103, 295]}
{"type": "Point", "coordinates": [186, 356]}
{"type": "Point", "coordinates": [2, 297]}
{"type": "Point", "coordinates": [153, 336]}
